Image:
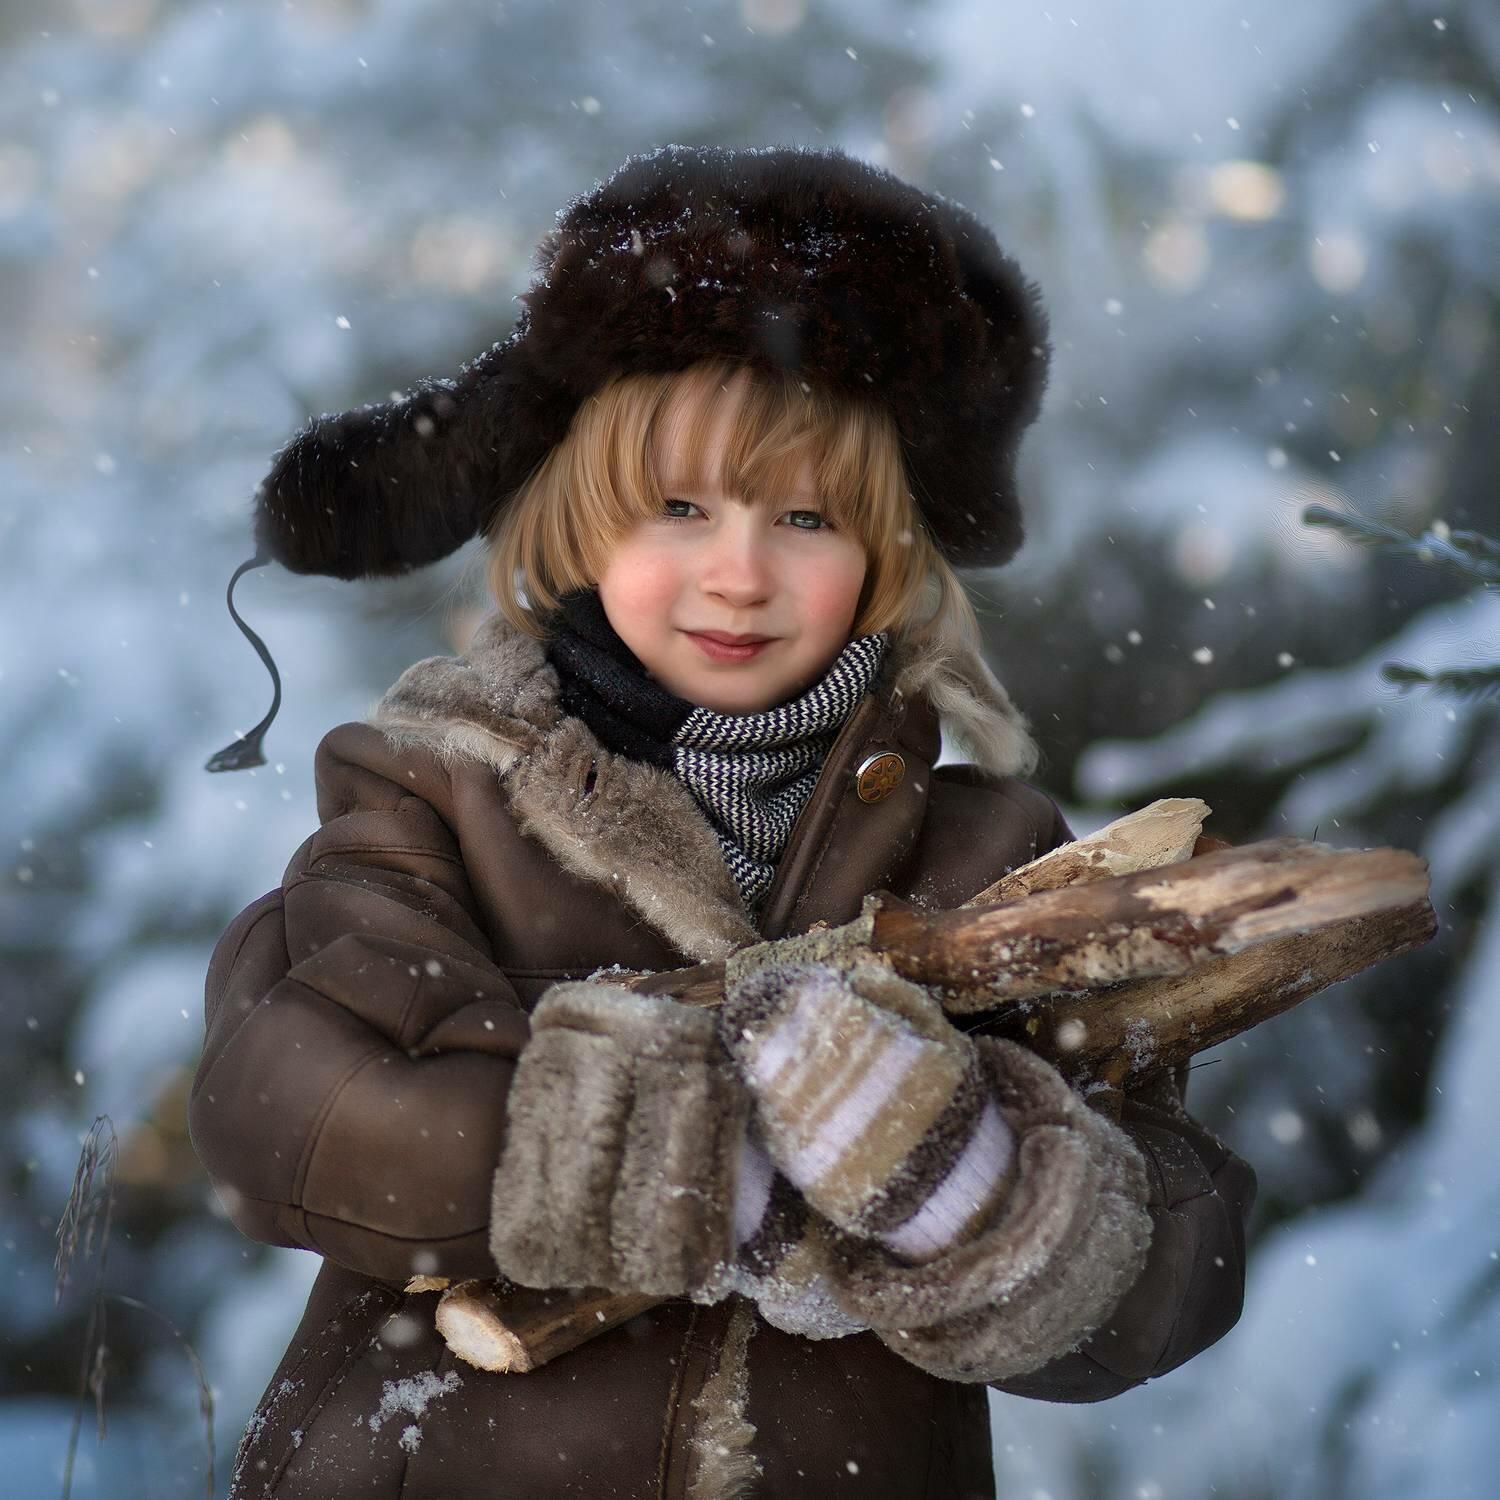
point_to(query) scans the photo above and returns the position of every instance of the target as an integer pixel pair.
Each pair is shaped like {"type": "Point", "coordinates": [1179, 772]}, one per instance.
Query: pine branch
{"type": "Point", "coordinates": [1478, 543]}
{"type": "Point", "coordinates": [1470, 553]}
{"type": "Point", "coordinates": [1477, 684]}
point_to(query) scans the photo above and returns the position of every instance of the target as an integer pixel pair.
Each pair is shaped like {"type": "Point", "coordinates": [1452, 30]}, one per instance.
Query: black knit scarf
{"type": "Point", "coordinates": [751, 773]}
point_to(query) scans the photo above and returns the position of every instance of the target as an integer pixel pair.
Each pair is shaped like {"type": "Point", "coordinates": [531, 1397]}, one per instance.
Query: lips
{"type": "Point", "coordinates": [744, 648]}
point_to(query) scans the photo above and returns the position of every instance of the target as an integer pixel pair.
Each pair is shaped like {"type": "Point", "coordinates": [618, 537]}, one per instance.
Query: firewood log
{"type": "Point", "coordinates": [513, 1329]}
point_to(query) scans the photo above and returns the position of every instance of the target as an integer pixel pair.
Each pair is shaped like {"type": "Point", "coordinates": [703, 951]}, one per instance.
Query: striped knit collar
{"type": "Point", "coordinates": [751, 773]}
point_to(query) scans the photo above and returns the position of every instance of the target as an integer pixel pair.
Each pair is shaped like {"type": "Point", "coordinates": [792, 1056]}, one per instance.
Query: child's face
{"type": "Point", "coordinates": [713, 563]}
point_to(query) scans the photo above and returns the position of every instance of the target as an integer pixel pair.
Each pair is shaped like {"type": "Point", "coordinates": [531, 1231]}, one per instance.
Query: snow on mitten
{"type": "Point", "coordinates": [870, 1102]}
{"type": "Point", "coordinates": [782, 1260]}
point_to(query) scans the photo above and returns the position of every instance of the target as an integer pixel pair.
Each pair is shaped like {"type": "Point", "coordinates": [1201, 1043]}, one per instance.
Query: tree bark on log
{"type": "Point", "coordinates": [1162, 1021]}
{"type": "Point", "coordinates": [1113, 956]}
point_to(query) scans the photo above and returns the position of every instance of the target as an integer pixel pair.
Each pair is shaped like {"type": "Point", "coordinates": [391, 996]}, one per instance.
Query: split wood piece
{"type": "Point", "coordinates": [1102, 933]}
{"type": "Point", "coordinates": [1164, 832]}
{"type": "Point", "coordinates": [512, 1330]}
{"type": "Point", "coordinates": [1154, 922]}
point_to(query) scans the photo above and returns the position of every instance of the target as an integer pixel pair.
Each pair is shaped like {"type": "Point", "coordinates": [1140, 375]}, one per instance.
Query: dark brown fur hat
{"type": "Point", "coordinates": [808, 260]}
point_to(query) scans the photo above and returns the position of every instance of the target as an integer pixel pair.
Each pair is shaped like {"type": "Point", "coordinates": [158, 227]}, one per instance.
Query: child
{"type": "Point", "coordinates": [767, 395]}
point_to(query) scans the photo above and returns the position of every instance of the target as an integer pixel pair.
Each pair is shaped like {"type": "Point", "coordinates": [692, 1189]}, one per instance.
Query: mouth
{"type": "Point", "coordinates": [724, 638]}
{"type": "Point", "coordinates": [718, 645]}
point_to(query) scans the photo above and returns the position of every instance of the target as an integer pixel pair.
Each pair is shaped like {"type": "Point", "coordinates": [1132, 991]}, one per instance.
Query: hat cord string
{"type": "Point", "coordinates": [246, 752]}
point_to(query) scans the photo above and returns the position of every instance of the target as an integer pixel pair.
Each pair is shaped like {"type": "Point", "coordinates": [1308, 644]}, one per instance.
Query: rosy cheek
{"type": "Point", "coordinates": [831, 594]}
{"type": "Point", "coordinates": [652, 583]}
{"type": "Point", "coordinates": [638, 578]}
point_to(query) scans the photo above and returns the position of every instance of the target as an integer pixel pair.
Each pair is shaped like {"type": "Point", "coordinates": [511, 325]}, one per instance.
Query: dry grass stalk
{"type": "Point", "coordinates": [87, 1215]}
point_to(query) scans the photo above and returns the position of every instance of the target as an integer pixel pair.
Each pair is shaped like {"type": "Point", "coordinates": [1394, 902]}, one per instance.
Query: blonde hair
{"type": "Point", "coordinates": [558, 531]}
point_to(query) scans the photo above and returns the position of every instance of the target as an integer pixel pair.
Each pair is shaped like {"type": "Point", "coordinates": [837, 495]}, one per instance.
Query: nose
{"type": "Point", "coordinates": [736, 562]}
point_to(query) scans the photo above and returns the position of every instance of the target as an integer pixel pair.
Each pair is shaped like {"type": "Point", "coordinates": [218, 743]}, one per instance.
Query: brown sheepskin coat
{"type": "Point", "coordinates": [365, 1020]}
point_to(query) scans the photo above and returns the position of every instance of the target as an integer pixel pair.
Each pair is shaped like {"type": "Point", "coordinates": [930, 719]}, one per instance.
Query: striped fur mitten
{"type": "Point", "coordinates": [873, 1105]}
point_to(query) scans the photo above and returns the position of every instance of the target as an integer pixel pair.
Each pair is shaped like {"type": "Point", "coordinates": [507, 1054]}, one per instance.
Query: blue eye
{"type": "Point", "coordinates": [819, 521]}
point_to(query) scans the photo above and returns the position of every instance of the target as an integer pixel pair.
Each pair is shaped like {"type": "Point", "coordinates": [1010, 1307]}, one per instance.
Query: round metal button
{"type": "Point", "coordinates": [879, 775]}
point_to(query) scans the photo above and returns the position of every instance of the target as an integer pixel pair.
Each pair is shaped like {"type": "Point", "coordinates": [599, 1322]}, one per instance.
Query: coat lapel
{"type": "Point", "coordinates": [639, 832]}
{"type": "Point", "coordinates": [842, 846]}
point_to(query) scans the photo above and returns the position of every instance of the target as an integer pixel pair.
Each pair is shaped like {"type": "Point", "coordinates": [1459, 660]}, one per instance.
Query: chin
{"type": "Point", "coordinates": [747, 700]}
{"type": "Point", "coordinates": [722, 705]}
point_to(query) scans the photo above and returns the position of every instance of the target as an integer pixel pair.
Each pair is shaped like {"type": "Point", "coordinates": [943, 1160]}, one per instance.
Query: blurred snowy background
{"type": "Point", "coordinates": [1270, 239]}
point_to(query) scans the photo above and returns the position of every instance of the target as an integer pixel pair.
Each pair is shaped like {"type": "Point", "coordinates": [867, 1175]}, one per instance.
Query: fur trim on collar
{"type": "Point", "coordinates": [639, 830]}
{"type": "Point", "coordinates": [976, 712]}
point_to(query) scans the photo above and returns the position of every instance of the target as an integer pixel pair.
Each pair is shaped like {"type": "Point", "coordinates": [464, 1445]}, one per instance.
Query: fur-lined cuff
{"type": "Point", "coordinates": [625, 1123]}
{"type": "Point", "coordinates": [1066, 1244]}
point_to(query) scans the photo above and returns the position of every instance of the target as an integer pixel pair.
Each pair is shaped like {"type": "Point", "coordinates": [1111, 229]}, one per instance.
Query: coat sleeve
{"type": "Point", "coordinates": [1119, 1255]}
{"type": "Point", "coordinates": [360, 1040]}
